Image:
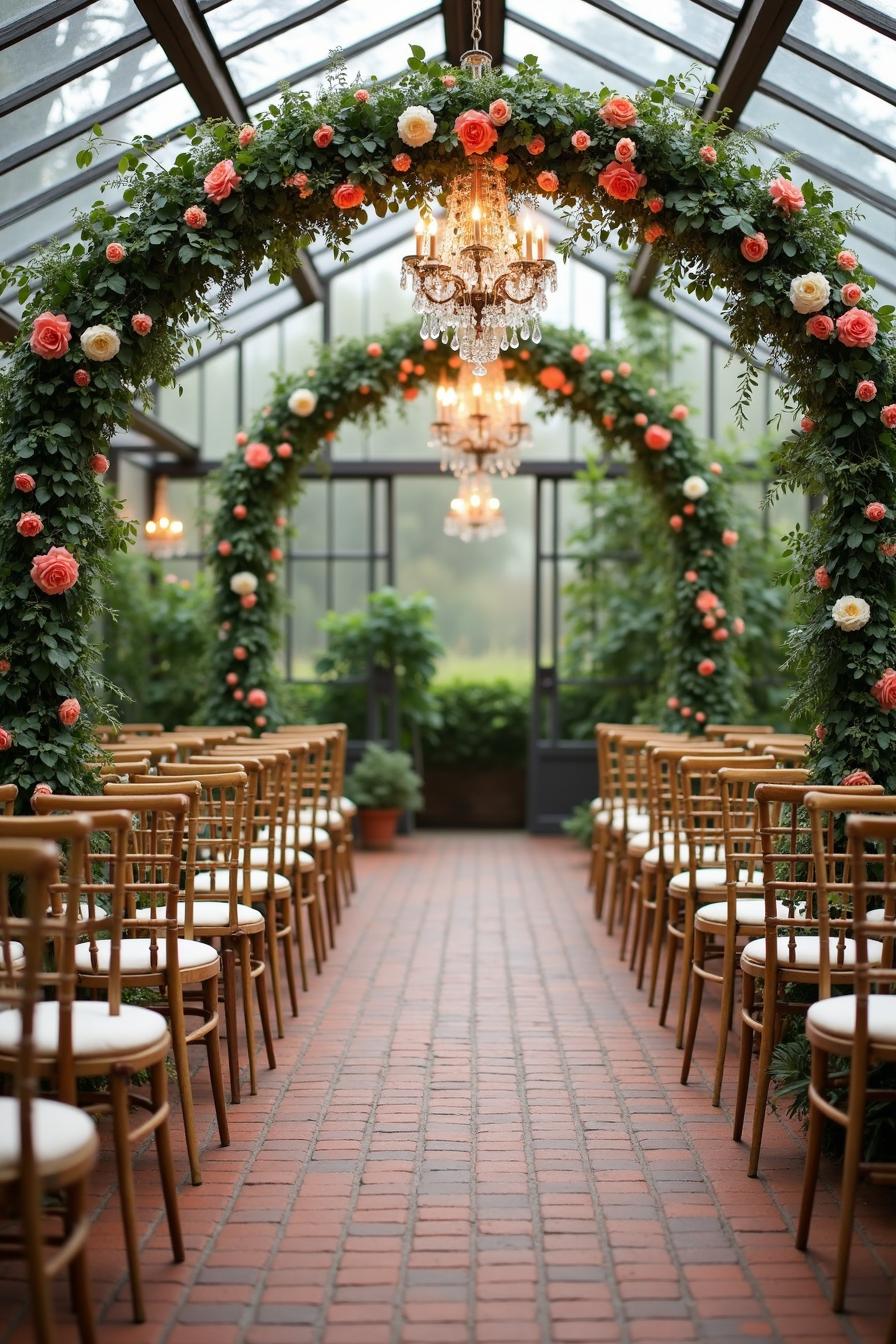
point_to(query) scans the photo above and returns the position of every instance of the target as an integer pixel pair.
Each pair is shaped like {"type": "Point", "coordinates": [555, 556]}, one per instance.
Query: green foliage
{"type": "Point", "coordinates": [478, 724]}
{"type": "Point", "coordinates": [579, 825]}
{"type": "Point", "coordinates": [155, 641]}
{"type": "Point", "coordinates": [385, 779]}
{"type": "Point", "coordinates": [790, 1072]}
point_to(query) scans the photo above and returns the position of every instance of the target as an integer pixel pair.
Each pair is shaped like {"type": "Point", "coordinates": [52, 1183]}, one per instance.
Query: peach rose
{"type": "Point", "coordinates": [706, 600]}
{"type": "Point", "coordinates": [276, 554]}
{"type": "Point", "coordinates": [362, 96]}
{"type": "Point", "coordinates": [625, 150]}
{"type": "Point", "coordinates": [820, 326]}
{"type": "Point", "coordinates": [81, 378]}
{"type": "Point", "coordinates": [730, 537]}
{"type": "Point", "coordinates": [706, 667]}
{"type": "Point", "coordinates": [676, 522]}
{"type": "Point", "coordinates": [257, 456]}
{"type": "Point", "coordinates": [5, 739]}
{"type": "Point", "coordinates": [240, 653]}
{"type": "Point", "coordinates": [475, 131]}
{"type": "Point", "coordinates": [449, 81]}
{"type": "Point", "coordinates": [618, 113]}
{"type": "Point", "coordinates": [884, 690]}
{"type": "Point", "coordinates": [115, 253]}
{"type": "Point", "coordinates": [856, 779]}
{"type": "Point", "coordinates": [69, 712]}
{"type": "Point", "coordinates": [786, 195]}
{"type": "Point", "coordinates": [875, 512]}
{"type": "Point", "coordinates": [141, 323]}
{"type": "Point", "coordinates": [374, 349]}
{"type": "Point", "coordinates": [657, 437]}
{"type": "Point", "coordinates": [225, 548]}
{"type": "Point", "coordinates": [500, 162]}
{"type": "Point", "coordinates": [284, 450]}
{"type": "Point", "coordinates": [323, 136]}
{"type": "Point", "coordinates": [608, 420]}
{"type": "Point", "coordinates": [846, 260]}
{"type": "Point", "coordinates": [195, 217]}
{"type": "Point", "coordinates": [653, 233]}
{"type": "Point", "coordinates": [347, 196]}
{"type": "Point", "coordinates": [536, 145]}
{"type": "Point", "coordinates": [623, 368]}
{"type": "Point", "coordinates": [239, 511]}
{"type": "Point", "coordinates": [679, 412]}
{"type": "Point", "coordinates": [857, 328]}
{"type": "Point", "coordinates": [580, 140]}
{"type": "Point", "coordinates": [552, 378]}
{"type": "Point", "coordinates": [548, 181]}
{"type": "Point", "coordinates": [820, 732]}
{"type": "Point", "coordinates": [401, 163]}
{"type": "Point", "coordinates": [499, 112]}
{"type": "Point", "coordinates": [22, 481]}
{"type": "Point", "coordinates": [29, 524]}
{"type": "Point", "coordinates": [246, 136]}
{"type": "Point", "coordinates": [260, 720]}
{"type": "Point", "coordinates": [257, 698]}
{"type": "Point", "coordinates": [607, 375]}
{"type": "Point", "coordinates": [691, 576]}
{"type": "Point", "coordinates": [221, 181]}
{"type": "Point", "coordinates": [754, 248]}
{"type": "Point", "coordinates": [866, 390]}
{"type": "Point", "coordinates": [822, 577]}
{"type": "Point", "coordinates": [241, 438]}
{"type": "Point", "coordinates": [620, 181]}
{"type": "Point", "coordinates": [673, 702]}
{"type": "Point", "coordinates": [851, 293]}
{"type": "Point", "coordinates": [738, 625]}
{"type": "Point", "coordinates": [579, 353]}
{"type": "Point", "coordinates": [888, 416]}
{"type": "Point", "coordinates": [655, 204]}
{"type": "Point", "coordinates": [708, 154]}
{"type": "Point", "coordinates": [99, 463]}
{"type": "Point", "coordinates": [640, 419]}
{"type": "Point", "coordinates": [55, 571]}
{"type": "Point", "coordinates": [50, 336]}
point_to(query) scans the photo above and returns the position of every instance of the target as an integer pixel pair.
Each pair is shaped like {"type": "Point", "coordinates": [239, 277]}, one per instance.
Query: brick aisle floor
{"type": "Point", "coordinates": [476, 1134]}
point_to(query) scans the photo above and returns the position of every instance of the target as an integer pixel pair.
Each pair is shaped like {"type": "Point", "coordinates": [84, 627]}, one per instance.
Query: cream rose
{"type": "Point", "coordinates": [851, 613]}
{"type": "Point", "coordinates": [416, 126]}
{"type": "Point", "coordinates": [809, 293]}
{"type": "Point", "coordinates": [302, 401]}
{"type": "Point", "coordinates": [694, 487]}
{"type": "Point", "coordinates": [244, 582]}
{"type": "Point", "coordinates": [100, 343]}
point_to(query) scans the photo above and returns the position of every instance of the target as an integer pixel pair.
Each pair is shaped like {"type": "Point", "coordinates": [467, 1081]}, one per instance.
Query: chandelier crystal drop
{"type": "Point", "coordinates": [474, 513]}
{"type": "Point", "coordinates": [479, 424]}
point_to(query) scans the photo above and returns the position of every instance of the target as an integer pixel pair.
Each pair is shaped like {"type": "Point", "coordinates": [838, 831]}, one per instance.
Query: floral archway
{"type": "Point", "coordinates": [353, 382]}
{"type": "Point", "coordinates": [107, 316]}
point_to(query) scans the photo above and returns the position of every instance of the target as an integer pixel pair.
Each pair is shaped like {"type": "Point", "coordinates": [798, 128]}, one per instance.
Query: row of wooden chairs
{"type": "Point", "coordinates": [720, 853]}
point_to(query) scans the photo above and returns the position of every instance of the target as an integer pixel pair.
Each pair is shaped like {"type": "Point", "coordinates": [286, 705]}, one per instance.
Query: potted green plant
{"type": "Point", "coordinates": [383, 785]}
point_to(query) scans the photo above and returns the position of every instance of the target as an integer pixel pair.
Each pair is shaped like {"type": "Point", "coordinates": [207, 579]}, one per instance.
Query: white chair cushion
{"type": "Point", "coordinates": [323, 817]}
{"type": "Point", "coordinates": [346, 806]}
{"type": "Point", "coordinates": [213, 914]}
{"type": "Point", "coordinates": [258, 882]}
{"type": "Point", "coordinates": [631, 821]}
{"type": "Point", "coordinates": [258, 855]}
{"type": "Point", "coordinates": [837, 1017]}
{"type": "Point", "coordinates": [710, 878]}
{"type": "Point", "coordinates": [16, 952]}
{"type": "Point", "coordinates": [305, 836]}
{"type": "Point", "coordinates": [59, 1132]}
{"type": "Point", "coordinates": [877, 916]}
{"type": "Point", "coordinates": [94, 1030]}
{"type": "Point", "coordinates": [806, 952]}
{"type": "Point", "coordinates": [136, 953]}
{"type": "Point", "coordinates": [750, 910]}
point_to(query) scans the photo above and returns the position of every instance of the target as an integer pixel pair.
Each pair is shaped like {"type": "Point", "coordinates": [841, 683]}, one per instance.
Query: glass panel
{"type": "Point", "coordinates": [646, 58]}
{"type": "Point", "coordinates": [181, 413]}
{"type": "Point", "coordinates": [232, 21]}
{"type": "Point", "coordinates": [220, 404]}
{"type": "Point", "coordinates": [59, 46]}
{"type": "Point", "coordinates": [690, 362]}
{"type": "Point", "coordinates": [726, 430]}
{"type": "Point", "coordinates": [350, 585]}
{"type": "Point", "coordinates": [309, 519]}
{"type": "Point", "coordinates": [687, 20]}
{"type": "Point", "coordinates": [350, 516]}
{"type": "Point", "coordinates": [307, 604]}
{"type": "Point", "coordinates": [260, 360]}
{"type": "Point", "coordinates": [619, 42]}
{"type": "Point", "coordinates": [851, 41]}
{"type": "Point", "coordinates": [302, 331]}
{"type": "Point", "coordinates": [131, 486]}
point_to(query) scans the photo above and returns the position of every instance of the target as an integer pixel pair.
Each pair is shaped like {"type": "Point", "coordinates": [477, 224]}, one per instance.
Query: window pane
{"type": "Point", "coordinates": [619, 42]}
{"type": "Point", "coordinates": [853, 42]}
{"type": "Point", "coordinates": [72, 39]}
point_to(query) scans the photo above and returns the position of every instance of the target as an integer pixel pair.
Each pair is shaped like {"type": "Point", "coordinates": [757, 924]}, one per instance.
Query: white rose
{"type": "Point", "coordinates": [416, 126]}
{"type": "Point", "coordinates": [809, 293]}
{"type": "Point", "coordinates": [851, 613]}
{"type": "Point", "coordinates": [694, 487]}
{"type": "Point", "coordinates": [100, 343]}
{"type": "Point", "coordinates": [302, 401]}
{"type": "Point", "coordinates": [244, 582]}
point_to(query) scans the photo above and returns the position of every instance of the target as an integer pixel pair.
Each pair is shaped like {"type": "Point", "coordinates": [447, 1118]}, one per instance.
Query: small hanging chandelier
{"type": "Point", "coordinates": [479, 423]}
{"type": "Point", "coordinates": [475, 513]}
{"type": "Point", "coordinates": [481, 285]}
{"type": "Point", "coordinates": [162, 532]}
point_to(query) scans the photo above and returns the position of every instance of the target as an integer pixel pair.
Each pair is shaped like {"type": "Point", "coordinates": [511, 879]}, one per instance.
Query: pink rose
{"type": "Point", "coordinates": [624, 369]}
{"type": "Point", "coordinates": [500, 162]}
{"type": "Point", "coordinates": [374, 350]}
{"type": "Point", "coordinates": [607, 375]}
{"type": "Point", "coordinates": [856, 328]}
{"type": "Point", "coordinates": [195, 217]}
{"type": "Point", "coordinates": [851, 293]}
{"type": "Point", "coordinates": [41, 791]}
{"type": "Point", "coordinates": [322, 136]}
{"type": "Point", "coordinates": [248, 600]}
{"type": "Point", "coordinates": [536, 145]}
{"type": "Point", "coordinates": [401, 163]}
{"type": "Point", "coordinates": [738, 625]}
{"type": "Point", "coordinates": [720, 634]}
{"type": "Point", "coordinates": [700, 716]}
{"type": "Point", "coordinates": [246, 136]}
{"type": "Point", "coordinates": [706, 600]}
{"type": "Point", "coordinates": [362, 96]}
{"type": "Point", "coordinates": [657, 437]}
{"type": "Point", "coordinates": [640, 419]}
{"type": "Point", "coordinates": [548, 181]}
{"type": "Point", "coordinates": [284, 450]}
{"type": "Point", "coordinates": [221, 181]}
{"type": "Point", "coordinates": [691, 576]}
{"type": "Point", "coordinates": [257, 698]}
{"type": "Point", "coordinates": [29, 524]}
{"type": "Point", "coordinates": [260, 720]}
{"type": "Point", "coordinates": [620, 181]}
{"type": "Point", "coordinates": [276, 554]}
{"type": "Point", "coordinates": [258, 456]}
{"type": "Point", "coordinates": [580, 140]}
{"type": "Point", "coordinates": [69, 712]}
{"type": "Point", "coordinates": [5, 739]}
{"type": "Point", "coordinates": [856, 779]}
{"type": "Point", "coordinates": [499, 112]}
{"type": "Point", "coordinates": [786, 195]}
{"type": "Point", "coordinates": [673, 702]}
{"type": "Point", "coordinates": [679, 412]}
{"type": "Point", "coordinates": [475, 132]}
{"type": "Point", "coordinates": [754, 248]}
{"type": "Point", "coordinates": [449, 81]}
{"type": "Point", "coordinates": [888, 548]}
{"type": "Point", "coordinates": [347, 196]}
{"type": "Point", "coordinates": [715, 468]}
{"type": "Point", "coordinates": [240, 653]}
{"type": "Point", "coordinates": [141, 323]}
{"type": "Point", "coordinates": [706, 667]}
{"type": "Point", "coordinates": [99, 464]}
{"type": "Point", "coordinates": [730, 537]}
{"type": "Point", "coordinates": [884, 690]}
{"type": "Point", "coordinates": [115, 253]}
{"type": "Point", "coordinates": [875, 512]}
{"type": "Point", "coordinates": [807, 424]}
{"type": "Point", "coordinates": [888, 416]}
{"type": "Point", "coordinates": [552, 378]}
{"type": "Point", "coordinates": [232, 679]}
{"type": "Point", "coordinates": [653, 233]}
{"type": "Point", "coordinates": [822, 577]}
{"type": "Point", "coordinates": [820, 732]}
{"type": "Point", "coordinates": [579, 353]}
{"type": "Point", "coordinates": [820, 326]}
{"type": "Point", "coordinates": [676, 522]}
{"type": "Point", "coordinates": [239, 511]}
{"type": "Point", "coordinates": [81, 378]}
{"type": "Point", "coordinates": [50, 336]}
{"type": "Point", "coordinates": [618, 112]}
{"type": "Point", "coordinates": [225, 548]}
{"type": "Point", "coordinates": [239, 695]}
{"type": "Point", "coordinates": [708, 154]}
{"type": "Point", "coordinates": [866, 390]}
{"type": "Point", "coordinates": [625, 150]}
{"type": "Point", "coordinates": [608, 420]}
{"type": "Point", "coordinates": [655, 204]}
{"type": "Point", "coordinates": [846, 260]}
{"type": "Point", "coordinates": [55, 572]}
{"type": "Point", "coordinates": [22, 481]}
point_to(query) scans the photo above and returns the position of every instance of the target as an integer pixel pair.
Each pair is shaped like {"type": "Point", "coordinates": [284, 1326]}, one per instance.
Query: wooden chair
{"type": "Point", "coordinates": [795, 949]}
{"type": "Point", "coordinates": [46, 1147]}
{"type": "Point", "coordinates": [314, 839]}
{"type": "Point", "coordinates": [722, 731]}
{"type": "Point", "coordinates": [338, 801]}
{"type": "Point", "coordinates": [861, 1026]}
{"type": "Point", "coordinates": [324, 814]}
{"type": "Point", "coordinates": [109, 1039]}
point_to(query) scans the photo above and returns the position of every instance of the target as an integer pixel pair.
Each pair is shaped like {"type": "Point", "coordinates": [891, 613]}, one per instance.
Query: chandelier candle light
{"type": "Point", "coordinates": [479, 423]}
{"type": "Point", "coordinates": [475, 513]}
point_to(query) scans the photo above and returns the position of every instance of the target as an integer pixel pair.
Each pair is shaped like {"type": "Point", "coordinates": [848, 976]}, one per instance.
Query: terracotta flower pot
{"type": "Point", "coordinates": [378, 825]}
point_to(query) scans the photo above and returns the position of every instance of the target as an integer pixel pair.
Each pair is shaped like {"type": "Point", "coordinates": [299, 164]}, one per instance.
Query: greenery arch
{"type": "Point", "coordinates": [354, 381]}
{"type": "Point", "coordinates": [105, 317]}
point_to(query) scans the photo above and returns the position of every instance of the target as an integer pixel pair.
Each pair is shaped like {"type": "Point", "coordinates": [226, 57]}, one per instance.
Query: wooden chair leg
{"type": "Point", "coordinates": [272, 957]}
{"type": "Point", "coordinates": [213, 1055]}
{"type": "Point", "coordinates": [316, 929]}
{"type": "Point", "coordinates": [78, 1273]}
{"type": "Point", "coordinates": [687, 953]}
{"type": "Point", "coordinates": [121, 1139]}
{"type": "Point", "coordinates": [285, 936]}
{"type": "Point", "coordinates": [248, 1016]}
{"type": "Point", "coordinates": [158, 1086]}
{"type": "Point", "coordinates": [258, 940]}
{"type": "Point", "coordinates": [814, 1135]}
{"type": "Point", "coordinates": [184, 1082]}
{"type": "Point", "coordinates": [763, 1076]}
{"type": "Point", "coordinates": [658, 936]}
{"type": "Point", "coordinates": [228, 963]}
{"type": "Point", "coordinates": [748, 994]}
{"type": "Point", "coordinates": [852, 1157]}
{"type": "Point", "coordinates": [696, 999]}
{"type": "Point", "coordinates": [324, 896]}
{"type": "Point", "coordinates": [631, 902]}
{"type": "Point", "coordinates": [298, 888]}
{"type": "Point", "coordinates": [725, 1014]}
{"type": "Point", "coordinates": [38, 1287]}
{"type": "Point", "coordinates": [672, 942]}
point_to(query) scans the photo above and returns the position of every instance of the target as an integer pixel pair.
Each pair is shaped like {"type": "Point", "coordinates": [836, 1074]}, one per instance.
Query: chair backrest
{"type": "Point", "coordinates": [872, 844]}
{"type": "Point", "coordinates": [324, 755]}
{"type": "Point", "coordinates": [698, 808]}
{"type": "Point", "coordinates": [665, 806]}
{"type": "Point", "coordinates": [213, 734]}
{"type": "Point", "coordinates": [740, 814]}
{"type": "Point", "coordinates": [724, 730]}
{"type": "Point", "coordinates": [134, 794]}
{"type": "Point", "coordinates": [787, 754]}
{"type": "Point", "coordinates": [274, 766]}
{"type": "Point", "coordinates": [222, 827]}
{"type": "Point", "coordinates": [140, 729]}
{"type": "Point", "coordinates": [8, 795]}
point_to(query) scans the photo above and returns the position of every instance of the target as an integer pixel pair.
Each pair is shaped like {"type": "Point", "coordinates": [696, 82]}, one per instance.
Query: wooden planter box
{"type": "Point", "coordinates": [492, 797]}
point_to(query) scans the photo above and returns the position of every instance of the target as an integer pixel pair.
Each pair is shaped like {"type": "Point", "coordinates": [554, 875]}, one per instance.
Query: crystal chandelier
{"type": "Point", "coordinates": [481, 285]}
{"type": "Point", "coordinates": [163, 533]}
{"type": "Point", "coordinates": [479, 423]}
{"type": "Point", "coordinates": [475, 513]}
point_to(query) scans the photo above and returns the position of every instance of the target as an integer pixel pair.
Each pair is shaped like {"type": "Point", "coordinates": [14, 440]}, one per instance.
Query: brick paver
{"type": "Point", "coordinates": [476, 1134]}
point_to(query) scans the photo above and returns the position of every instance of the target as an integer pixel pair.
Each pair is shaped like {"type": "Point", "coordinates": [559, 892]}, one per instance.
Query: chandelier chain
{"type": "Point", "coordinates": [476, 31]}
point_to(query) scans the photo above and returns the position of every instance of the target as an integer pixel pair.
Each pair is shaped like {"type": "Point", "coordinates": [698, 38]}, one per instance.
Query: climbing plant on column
{"type": "Point", "coordinates": [105, 317]}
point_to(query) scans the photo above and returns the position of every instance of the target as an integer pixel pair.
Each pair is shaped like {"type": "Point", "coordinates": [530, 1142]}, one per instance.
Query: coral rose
{"type": "Point", "coordinates": [475, 131]}
{"type": "Point", "coordinates": [822, 577]}
{"type": "Point", "coordinates": [500, 162]}
{"type": "Point", "coordinates": [857, 328]}
{"type": "Point", "coordinates": [374, 349]}
{"type": "Point", "coordinates": [246, 136]}
{"type": "Point", "coordinates": [257, 456]}
{"type": "Point", "coordinates": [411, 393]}
{"type": "Point", "coordinates": [536, 146]}
{"type": "Point", "coordinates": [248, 600]}
{"type": "Point", "coordinates": [786, 195]}
{"type": "Point", "coordinates": [851, 293]}
{"type": "Point", "coordinates": [232, 679]}
{"type": "Point", "coordinates": [700, 716]}
{"type": "Point", "coordinates": [625, 150]}
{"type": "Point", "coordinates": [29, 524]}
{"type": "Point", "coordinates": [416, 126]}
{"type": "Point", "coordinates": [99, 463]}
{"type": "Point", "coordinates": [888, 416]}
{"type": "Point", "coordinates": [807, 424]}
{"type": "Point", "coordinates": [655, 204]}
{"type": "Point", "coordinates": [709, 154]}
{"type": "Point", "coordinates": [22, 481]}
{"type": "Point", "coordinates": [579, 353]}
{"type": "Point", "coordinates": [115, 253]}
{"type": "Point", "coordinates": [580, 140]}
{"type": "Point", "coordinates": [195, 217]}
{"type": "Point", "coordinates": [846, 260]}
{"type": "Point", "coordinates": [81, 378]}
{"type": "Point", "coordinates": [276, 554]}
{"type": "Point", "coordinates": [548, 181]}
{"type": "Point", "coordinates": [866, 390]}
{"type": "Point", "coordinates": [657, 437]}
{"type": "Point", "coordinates": [5, 739]}
{"type": "Point", "coordinates": [55, 571]}
{"type": "Point", "coordinates": [706, 600]}
{"type": "Point", "coordinates": [323, 136]}
{"type": "Point", "coordinates": [754, 248]}
{"type": "Point", "coordinates": [619, 113]}
{"type": "Point", "coordinates": [239, 695]}
{"type": "Point", "coordinates": [673, 702]}
{"type": "Point", "coordinates": [239, 511]}
{"type": "Point", "coordinates": [640, 419]}
{"type": "Point", "coordinates": [449, 81]}
{"type": "Point", "coordinates": [624, 369]}
{"type": "Point", "coordinates": [362, 96]}
{"type": "Point", "coordinates": [257, 698]}
{"type": "Point", "coordinates": [856, 779]}
{"type": "Point", "coordinates": [706, 667]}
{"type": "Point", "coordinates": [676, 522]}
{"type": "Point", "coordinates": [221, 181]}
{"type": "Point", "coordinates": [653, 233]}
{"type": "Point", "coordinates": [820, 326]}
{"type": "Point", "coordinates": [552, 378]}
{"type": "Point", "coordinates": [284, 450]}
{"type": "Point", "coordinates": [141, 323]}
{"type": "Point", "coordinates": [720, 634]}
{"type": "Point", "coordinates": [875, 512]}
{"type": "Point", "coordinates": [260, 721]}
{"type": "Point", "coordinates": [241, 438]}
{"type": "Point", "coordinates": [499, 112]}
{"type": "Point", "coordinates": [100, 343]}
{"type": "Point", "coordinates": [240, 653]}
{"type": "Point", "coordinates": [884, 690]}
{"type": "Point", "coordinates": [679, 412]}
{"type": "Point", "coordinates": [347, 196]}
{"type": "Point", "coordinates": [691, 575]}
{"type": "Point", "coordinates": [620, 181]}
{"type": "Point", "coordinates": [608, 420]}
{"type": "Point", "coordinates": [401, 163]}
{"type": "Point", "coordinates": [69, 712]}
{"type": "Point", "coordinates": [50, 335]}
{"type": "Point", "coordinates": [730, 537]}
{"type": "Point", "coordinates": [225, 548]}
{"type": "Point", "coordinates": [4, 666]}
{"type": "Point", "coordinates": [686, 711]}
